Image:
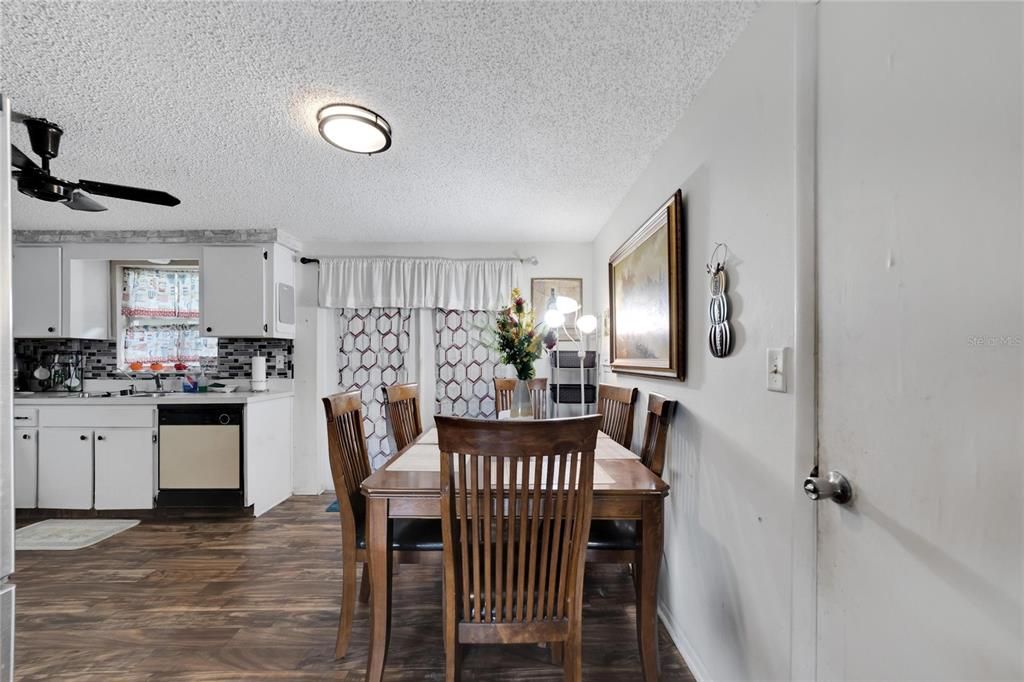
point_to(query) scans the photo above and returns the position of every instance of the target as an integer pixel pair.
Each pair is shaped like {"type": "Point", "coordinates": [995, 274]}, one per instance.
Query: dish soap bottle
{"type": "Point", "coordinates": [204, 383]}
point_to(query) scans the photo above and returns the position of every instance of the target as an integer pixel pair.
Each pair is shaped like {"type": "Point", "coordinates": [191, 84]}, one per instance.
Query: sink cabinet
{"type": "Point", "coordinates": [95, 457]}
{"type": "Point", "coordinates": [65, 468]}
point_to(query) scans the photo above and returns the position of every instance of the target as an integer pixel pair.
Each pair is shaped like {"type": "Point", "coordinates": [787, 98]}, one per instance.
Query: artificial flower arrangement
{"type": "Point", "coordinates": [519, 338]}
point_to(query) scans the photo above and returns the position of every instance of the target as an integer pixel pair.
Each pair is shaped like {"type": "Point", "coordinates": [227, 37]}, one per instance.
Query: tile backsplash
{"type": "Point", "coordinates": [99, 358]}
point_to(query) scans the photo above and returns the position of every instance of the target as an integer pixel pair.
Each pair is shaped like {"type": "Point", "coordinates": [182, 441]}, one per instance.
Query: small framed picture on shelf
{"type": "Point", "coordinates": [541, 290]}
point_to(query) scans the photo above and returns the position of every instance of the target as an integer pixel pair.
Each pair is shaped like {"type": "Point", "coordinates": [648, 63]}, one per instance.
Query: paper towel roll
{"type": "Point", "coordinates": [259, 373]}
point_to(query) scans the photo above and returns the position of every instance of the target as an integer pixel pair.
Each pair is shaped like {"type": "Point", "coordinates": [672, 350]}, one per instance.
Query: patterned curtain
{"type": "Point", "coordinates": [160, 310]}
{"type": "Point", "coordinates": [465, 365]}
{"type": "Point", "coordinates": [372, 353]}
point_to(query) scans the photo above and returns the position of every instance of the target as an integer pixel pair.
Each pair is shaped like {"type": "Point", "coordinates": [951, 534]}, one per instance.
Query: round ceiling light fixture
{"type": "Point", "coordinates": [354, 128]}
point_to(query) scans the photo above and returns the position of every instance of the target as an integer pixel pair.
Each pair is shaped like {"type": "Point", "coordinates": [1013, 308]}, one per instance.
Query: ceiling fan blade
{"type": "Point", "coordinates": [148, 196]}
{"type": "Point", "coordinates": [80, 201]}
{"type": "Point", "coordinates": [20, 160]}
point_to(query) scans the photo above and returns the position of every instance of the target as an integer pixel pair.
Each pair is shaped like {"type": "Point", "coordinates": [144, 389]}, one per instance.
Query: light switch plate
{"type": "Point", "coordinates": [777, 370]}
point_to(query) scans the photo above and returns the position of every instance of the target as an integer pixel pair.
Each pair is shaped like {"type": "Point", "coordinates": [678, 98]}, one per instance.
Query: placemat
{"type": "Point", "coordinates": [427, 457]}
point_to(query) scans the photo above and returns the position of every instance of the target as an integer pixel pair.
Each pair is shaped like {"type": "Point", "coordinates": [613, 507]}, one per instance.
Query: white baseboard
{"type": "Point", "coordinates": [308, 492]}
{"type": "Point", "coordinates": [689, 654]}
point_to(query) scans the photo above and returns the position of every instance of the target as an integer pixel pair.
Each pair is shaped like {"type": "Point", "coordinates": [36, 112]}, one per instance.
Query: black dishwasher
{"type": "Point", "coordinates": [201, 456]}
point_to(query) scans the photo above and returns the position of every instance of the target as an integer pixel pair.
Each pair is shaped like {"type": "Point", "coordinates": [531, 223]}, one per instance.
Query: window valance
{"type": "Point", "coordinates": [390, 282]}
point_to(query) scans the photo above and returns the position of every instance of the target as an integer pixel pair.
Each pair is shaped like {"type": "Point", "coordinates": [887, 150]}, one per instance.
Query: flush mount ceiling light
{"type": "Point", "coordinates": [353, 128]}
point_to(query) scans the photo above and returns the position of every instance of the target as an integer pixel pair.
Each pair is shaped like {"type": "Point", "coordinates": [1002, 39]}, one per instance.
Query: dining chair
{"type": "Point", "coordinates": [615, 405]}
{"type": "Point", "coordinates": [402, 404]}
{"type": "Point", "coordinates": [350, 464]}
{"type": "Point", "coordinates": [503, 390]}
{"type": "Point", "coordinates": [539, 397]}
{"type": "Point", "coordinates": [616, 542]}
{"type": "Point", "coordinates": [516, 501]}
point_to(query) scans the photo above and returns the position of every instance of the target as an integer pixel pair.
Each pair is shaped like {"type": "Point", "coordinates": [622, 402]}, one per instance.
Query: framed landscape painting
{"type": "Point", "coordinates": [647, 290]}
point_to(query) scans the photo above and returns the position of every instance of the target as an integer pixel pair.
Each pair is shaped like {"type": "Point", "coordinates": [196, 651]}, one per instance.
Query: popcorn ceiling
{"type": "Point", "coordinates": [511, 120]}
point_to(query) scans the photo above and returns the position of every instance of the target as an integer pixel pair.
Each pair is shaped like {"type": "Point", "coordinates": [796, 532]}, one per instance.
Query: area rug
{"type": "Point", "coordinates": [333, 507]}
{"type": "Point", "coordinates": [65, 534]}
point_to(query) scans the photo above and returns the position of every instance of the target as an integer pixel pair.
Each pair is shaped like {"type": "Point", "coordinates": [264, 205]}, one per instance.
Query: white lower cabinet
{"type": "Point", "coordinates": [65, 468]}
{"type": "Point", "coordinates": [124, 468]}
{"type": "Point", "coordinates": [26, 467]}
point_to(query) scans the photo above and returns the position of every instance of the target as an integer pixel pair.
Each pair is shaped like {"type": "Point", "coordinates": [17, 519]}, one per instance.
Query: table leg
{"type": "Point", "coordinates": [648, 567]}
{"type": "Point", "coordinates": [378, 553]}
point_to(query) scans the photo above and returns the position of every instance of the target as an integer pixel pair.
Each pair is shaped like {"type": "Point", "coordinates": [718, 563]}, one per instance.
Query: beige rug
{"type": "Point", "coordinates": [66, 534]}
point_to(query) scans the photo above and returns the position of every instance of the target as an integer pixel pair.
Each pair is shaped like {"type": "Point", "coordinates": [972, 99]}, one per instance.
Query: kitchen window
{"type": "Point", "coordinates": [158, 320]}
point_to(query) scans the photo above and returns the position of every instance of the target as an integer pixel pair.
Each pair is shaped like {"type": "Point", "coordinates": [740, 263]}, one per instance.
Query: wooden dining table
{"type": "Point", "coordinates": [409, 486]}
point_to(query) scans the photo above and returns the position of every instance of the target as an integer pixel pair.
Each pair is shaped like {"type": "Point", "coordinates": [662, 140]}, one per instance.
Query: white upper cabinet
{"type": "Point", "coordinates": [48, 304]}
{"type": "Point", "coordinates": [247, 291]}
{"type": "Point", "coordinates": [36, 286]}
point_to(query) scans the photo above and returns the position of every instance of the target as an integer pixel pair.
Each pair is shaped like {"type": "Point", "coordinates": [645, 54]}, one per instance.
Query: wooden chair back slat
{"type": "Point", "coordinates": [659, 415]}
{"type": "Point", "coordinates": [503, 390]}
{"type": "Point", "coordinates": [346, 447]}
{"type": "Point", "coordinates": [615, 404]}
{"type": "Point", "coordinates": [403, 412]}
{"type": "Point", "coordinates": [515, 504]}
{"type": "Point", "coordinates": [539, 397]}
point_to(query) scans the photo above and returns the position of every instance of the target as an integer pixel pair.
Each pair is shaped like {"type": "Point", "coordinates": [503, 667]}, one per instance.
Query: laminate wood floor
{"type": "Point", "coordinates": [257, 599]}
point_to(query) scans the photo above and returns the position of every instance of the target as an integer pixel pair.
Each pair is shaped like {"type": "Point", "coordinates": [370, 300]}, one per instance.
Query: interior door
{"type": "Point", "coordinates": [921, 361]}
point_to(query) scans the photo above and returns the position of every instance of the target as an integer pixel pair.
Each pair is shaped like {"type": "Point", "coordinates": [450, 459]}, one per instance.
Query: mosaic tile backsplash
{"type": "Point", "coordinates": [233, 356]}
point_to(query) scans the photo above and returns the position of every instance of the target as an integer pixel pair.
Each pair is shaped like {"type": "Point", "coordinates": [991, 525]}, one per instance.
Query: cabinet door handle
{"type": "Point", "coordinates": [18, 418]}
{"type": "Point", "coordinates": [51, 329]}
{"type": "Point", "coordinates": [26, 436]}
{"type": "Point", "coordinates": [83, 438]}
{"type": "Point", "coordinates": [209, 329]}
{"type": "Point", "coordinates": [98, 437]}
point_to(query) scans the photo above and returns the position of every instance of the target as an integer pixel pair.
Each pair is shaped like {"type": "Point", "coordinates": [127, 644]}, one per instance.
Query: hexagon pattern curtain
{"type": "Point", "coordinates": [373, 352]}
{"type": "Point", "coordinates": [465, 365]}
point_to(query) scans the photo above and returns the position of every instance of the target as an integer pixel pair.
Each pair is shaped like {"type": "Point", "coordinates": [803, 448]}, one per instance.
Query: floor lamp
{"type": "Point", "coordinates": [554, 317]}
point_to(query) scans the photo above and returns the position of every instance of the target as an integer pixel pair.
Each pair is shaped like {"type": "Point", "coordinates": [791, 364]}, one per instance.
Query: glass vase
{"type": "Point", "coordinates": [522, 405]}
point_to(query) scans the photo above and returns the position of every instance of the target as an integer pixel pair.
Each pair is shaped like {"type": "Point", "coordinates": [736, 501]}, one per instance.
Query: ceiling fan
{"type": "Point", "coordinates": [35, 180]}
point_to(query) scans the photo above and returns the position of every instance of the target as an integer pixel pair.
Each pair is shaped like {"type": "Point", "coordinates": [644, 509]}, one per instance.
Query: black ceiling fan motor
{"type": "Point", "coordinates": [45, 139]}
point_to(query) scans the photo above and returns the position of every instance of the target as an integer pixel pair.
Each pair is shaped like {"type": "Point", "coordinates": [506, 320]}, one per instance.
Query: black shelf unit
{"type": "Point", "coordinates": [565, 378]}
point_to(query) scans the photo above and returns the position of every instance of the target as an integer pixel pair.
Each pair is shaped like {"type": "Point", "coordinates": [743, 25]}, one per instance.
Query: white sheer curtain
{"type": "Point", "coordinates": [391, 282]}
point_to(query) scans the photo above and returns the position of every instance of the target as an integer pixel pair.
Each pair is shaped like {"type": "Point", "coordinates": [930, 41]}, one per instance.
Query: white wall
{"type": "Point", "coordinates": [316, 344]}
{"type": "Point", "coordinates": [725, 589]}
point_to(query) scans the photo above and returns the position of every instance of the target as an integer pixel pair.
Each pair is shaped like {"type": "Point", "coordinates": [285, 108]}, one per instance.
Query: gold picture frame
{"type": "Point", "coordinates": [647, 294]}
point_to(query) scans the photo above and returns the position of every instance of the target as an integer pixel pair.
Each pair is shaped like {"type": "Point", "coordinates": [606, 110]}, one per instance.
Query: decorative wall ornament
{"type": "Point", "coordinates": [720, 332]}
{"type": "Point", "coordinates": [647, 282]}
{"type": "Point", "coordinates": [372, 353]}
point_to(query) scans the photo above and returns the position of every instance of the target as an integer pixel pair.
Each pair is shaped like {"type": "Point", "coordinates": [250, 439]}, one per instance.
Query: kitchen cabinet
{"type": "Point", "coordinates": [65, 468]}
{"type": "Point", "coordinates": [37, 291]}
{"type": "Point", "coordinates": [26, 462]}
{"type": "Point", "coordinates": [57, 299]}
{"type": "Point", "coordinates": [96, 456]}
{"type": "Point", "coordinates": [125, 464]}
{"type": "Point", "coordinates": [247, 291]}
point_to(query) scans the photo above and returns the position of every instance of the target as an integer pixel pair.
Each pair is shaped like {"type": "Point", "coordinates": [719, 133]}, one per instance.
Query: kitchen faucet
{"type": "Point", "coordinates": [157, 380]}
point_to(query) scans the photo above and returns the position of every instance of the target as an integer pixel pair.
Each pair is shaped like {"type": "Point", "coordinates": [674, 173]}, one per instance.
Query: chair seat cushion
{"type": "Point", "coordinates": [416, 535]}
{"type": "Point", "coordinates": [606, 534]}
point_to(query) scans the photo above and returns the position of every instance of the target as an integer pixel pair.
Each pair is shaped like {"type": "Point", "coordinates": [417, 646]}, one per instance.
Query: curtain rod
{"type": "Point", "coordinates": [529, 260]}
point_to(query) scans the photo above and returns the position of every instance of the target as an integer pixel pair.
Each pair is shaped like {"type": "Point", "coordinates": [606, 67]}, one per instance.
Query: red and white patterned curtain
{"type": "Point", "coordinates": [373, 352]}
{"type": "Point", "coordinates": [465, 364]}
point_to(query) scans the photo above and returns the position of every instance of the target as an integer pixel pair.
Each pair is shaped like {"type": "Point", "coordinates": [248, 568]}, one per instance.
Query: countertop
{"type": "Point", "coordinates": [95, 398]}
